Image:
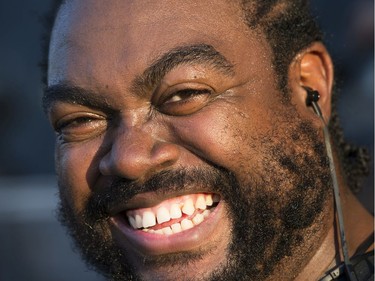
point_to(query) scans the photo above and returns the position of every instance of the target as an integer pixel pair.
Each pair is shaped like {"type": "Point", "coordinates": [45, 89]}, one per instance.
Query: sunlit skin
{"type": "Point", "coordinates": [127, 128]}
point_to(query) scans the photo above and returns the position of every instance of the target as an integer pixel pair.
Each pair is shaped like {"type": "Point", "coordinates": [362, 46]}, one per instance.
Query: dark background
{"type": "Point", "coordinates": [32, 244]}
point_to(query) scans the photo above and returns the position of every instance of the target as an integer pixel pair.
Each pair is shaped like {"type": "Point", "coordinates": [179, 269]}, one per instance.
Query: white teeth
{"type": "Point", "coordinates": [201, 203]}
{"type": "Point", "coordinates": [167, 230]}
{"type": "Point", "coordinates": [143, 219]}
{"type": "Point", "coordinates": [209, 201]}
{"type": "Point", "coordinates": [198, 219]}
{"type": "Point", "coordinates": [148, 219]}
{"type": "Point", "coordinates": [162, 215]}
{"type": "Point", "coordinates": [159, 231]}
{"type": "Point", "coordinates": [186, 224]}
{"type": "Point", "coordinates": [175, 212]}
{"type": "Point", "coordinates": [132, 222]}
{"type": "Point", "coordinates": [176, 228]}
{"type": "Point", "coordinates": [206, 213]}
{"type": "Point", "coordinates": [188, 207]}
{"type": "Point", "coordinates": [138, 221]}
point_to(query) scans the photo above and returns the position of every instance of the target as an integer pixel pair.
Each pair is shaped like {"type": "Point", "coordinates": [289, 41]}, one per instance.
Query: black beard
{"type": "Point", "coordinates": [267, 225]}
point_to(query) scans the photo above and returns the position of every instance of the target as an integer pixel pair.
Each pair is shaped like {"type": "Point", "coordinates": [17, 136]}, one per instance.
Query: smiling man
{"type": "Point", "coordinates": [184, 146]}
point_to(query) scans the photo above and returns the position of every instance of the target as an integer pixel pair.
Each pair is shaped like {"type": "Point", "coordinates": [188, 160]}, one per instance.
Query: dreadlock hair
{"type": "Point", "coordinates": [289, 28]}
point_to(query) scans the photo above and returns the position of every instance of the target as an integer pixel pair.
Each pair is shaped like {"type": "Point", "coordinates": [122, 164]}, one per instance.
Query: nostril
{"type": "Point", "coordinates": [167, 164]}
{"type": "Point", "coordinates": [139, 159]}
{"type": "Point", "coordinates": [165, 154]}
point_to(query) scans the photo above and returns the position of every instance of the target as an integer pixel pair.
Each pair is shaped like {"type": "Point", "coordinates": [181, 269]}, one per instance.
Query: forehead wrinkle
{"type": "Point", "coordinates": [188, 55]}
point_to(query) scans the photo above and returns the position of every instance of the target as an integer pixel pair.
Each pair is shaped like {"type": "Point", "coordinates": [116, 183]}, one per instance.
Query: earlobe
{"type": "Point", "coordinates": [313, 68]}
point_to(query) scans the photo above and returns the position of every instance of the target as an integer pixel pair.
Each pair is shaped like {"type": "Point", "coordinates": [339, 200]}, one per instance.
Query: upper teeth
{"type": "Point", "coordinates": [148, 219]}
{"type": "Point", "coordinates": [188, 207]}
{"type": "Point", "coordinates": [173, 209]}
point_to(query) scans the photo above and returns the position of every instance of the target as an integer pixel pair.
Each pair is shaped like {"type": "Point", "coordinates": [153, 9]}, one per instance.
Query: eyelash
{"type": "Point", "coordinates": [80, 126]}
{"type": "Point", "coordinates": [190, 100]}
{"type": "Point", "coordinates": [72, 122]}
{"type": "Point", "coordinates": [188, 93]}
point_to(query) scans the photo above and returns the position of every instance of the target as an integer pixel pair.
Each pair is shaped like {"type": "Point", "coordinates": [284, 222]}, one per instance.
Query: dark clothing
{"type": "Point", "coordinates": [362, 265]}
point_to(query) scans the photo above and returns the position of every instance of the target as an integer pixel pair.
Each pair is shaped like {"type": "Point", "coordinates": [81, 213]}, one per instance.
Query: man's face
{"type": "Point", "coordinates": [176, 156]}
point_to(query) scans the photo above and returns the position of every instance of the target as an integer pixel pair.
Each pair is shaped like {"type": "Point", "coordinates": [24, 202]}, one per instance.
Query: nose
{"type": "Point", "coordinates": [135, 153]}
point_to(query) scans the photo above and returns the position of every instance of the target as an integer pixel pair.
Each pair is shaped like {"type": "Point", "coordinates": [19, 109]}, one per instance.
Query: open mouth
{"type": "Point", "coordinates": [176, 224]}
{"type": "Point", "coordinates": [173, 215]}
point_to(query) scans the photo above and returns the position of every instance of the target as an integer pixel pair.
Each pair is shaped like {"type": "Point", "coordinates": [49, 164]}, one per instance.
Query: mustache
{"type": "Point", "coordinates": [120, 191]}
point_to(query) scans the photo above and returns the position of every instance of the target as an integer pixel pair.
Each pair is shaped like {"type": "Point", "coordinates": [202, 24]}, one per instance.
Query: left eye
{"type": "Point", "coordinates": [184, 102]}
{"type": "Point", "coordinates": [74, 123]}
{"type": "Point", "coordinates": [80, 127]}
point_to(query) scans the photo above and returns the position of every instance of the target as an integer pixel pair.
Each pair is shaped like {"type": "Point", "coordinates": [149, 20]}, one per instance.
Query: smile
{"type": "Point", "coordinates": [176, 224]}
{"type": "Point", "coordinates": [173, 215]}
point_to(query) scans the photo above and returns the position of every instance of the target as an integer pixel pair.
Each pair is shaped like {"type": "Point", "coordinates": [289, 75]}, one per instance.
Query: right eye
{"type": "Point", "coordinates": [184, 101]}
{"type": "Point", "coordinates": [80, 126]}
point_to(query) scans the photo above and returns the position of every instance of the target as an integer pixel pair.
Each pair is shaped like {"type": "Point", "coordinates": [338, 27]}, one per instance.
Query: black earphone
{"type": "Point", "coordinates": [312, 100]}
{"type": "Point", "coordinates": [312, 96]}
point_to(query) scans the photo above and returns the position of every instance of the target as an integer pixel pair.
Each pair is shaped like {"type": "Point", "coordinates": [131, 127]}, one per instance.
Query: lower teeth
{"type": "Point", "coordinates": [185, 224]}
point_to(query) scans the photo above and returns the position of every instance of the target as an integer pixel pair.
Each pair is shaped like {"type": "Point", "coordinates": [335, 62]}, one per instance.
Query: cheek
{"type": "Point", "coordinates": [76, 172]}
{"type": "Point", "coordinates": [227, 139]}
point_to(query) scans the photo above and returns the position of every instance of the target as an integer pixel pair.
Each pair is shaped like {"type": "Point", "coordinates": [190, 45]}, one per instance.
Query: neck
{"type": "Point", "coordinates": [324, 258]}
{"type": "Point", "coordinates": [359, 225]}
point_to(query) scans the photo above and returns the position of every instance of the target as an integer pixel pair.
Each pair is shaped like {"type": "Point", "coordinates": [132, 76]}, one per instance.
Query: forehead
{"type": "Point", "coordinates": [99, 38]}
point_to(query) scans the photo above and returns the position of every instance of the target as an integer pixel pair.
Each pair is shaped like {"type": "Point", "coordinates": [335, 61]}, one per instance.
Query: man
{"type": "Point", "coordinates": [184, 146]}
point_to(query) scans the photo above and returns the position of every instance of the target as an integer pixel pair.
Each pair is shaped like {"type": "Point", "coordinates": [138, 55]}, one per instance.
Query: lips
{"type": "Point", "coordinates": [175, 224]}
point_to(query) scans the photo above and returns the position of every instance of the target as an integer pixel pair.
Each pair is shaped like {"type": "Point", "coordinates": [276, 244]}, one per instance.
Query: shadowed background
{"type": "Point", "coordinates": [33, 246]}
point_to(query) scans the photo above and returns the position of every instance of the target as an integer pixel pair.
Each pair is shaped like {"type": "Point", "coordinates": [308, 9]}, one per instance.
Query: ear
{"type": "Point", "coordinates": [312, 68]}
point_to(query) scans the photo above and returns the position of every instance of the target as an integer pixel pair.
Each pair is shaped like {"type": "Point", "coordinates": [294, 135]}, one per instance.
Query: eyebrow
{"type": "Point", "coordinates": [190, 54]}
{"type": "Point", "coordinates": [148, 80]}
{"type": "Point", "coordinates": [65, 92]}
